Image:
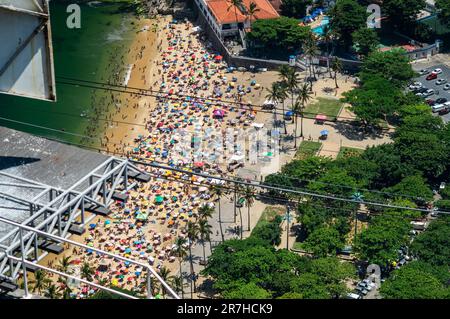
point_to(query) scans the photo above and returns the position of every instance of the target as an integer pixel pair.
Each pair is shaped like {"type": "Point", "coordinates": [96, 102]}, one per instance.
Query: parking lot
{"type": "Point", "coordinates": [441, 93]}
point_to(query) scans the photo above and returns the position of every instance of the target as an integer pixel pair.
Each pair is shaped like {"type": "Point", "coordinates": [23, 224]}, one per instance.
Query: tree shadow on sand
{"type": "Point", "coordinates": [355, 132]}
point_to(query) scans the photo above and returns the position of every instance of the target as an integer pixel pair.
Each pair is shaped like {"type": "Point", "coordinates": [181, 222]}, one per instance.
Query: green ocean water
{"type": "Point", "coordinates": [94, 53]}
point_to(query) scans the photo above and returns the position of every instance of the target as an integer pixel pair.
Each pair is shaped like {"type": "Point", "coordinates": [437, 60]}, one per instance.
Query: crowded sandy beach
{"type": "Point", "coordinates": [170, 58]}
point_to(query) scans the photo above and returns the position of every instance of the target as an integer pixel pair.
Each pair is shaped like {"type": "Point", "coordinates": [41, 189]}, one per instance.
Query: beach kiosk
{"type": "Point", "coordinates": [320, 118]}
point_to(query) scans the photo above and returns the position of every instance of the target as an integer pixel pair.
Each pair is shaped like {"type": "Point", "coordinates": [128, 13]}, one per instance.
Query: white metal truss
{"type": "Point", "coordinates": [52, 211]}
{"type": "Point", "coordinates": [149, 271]}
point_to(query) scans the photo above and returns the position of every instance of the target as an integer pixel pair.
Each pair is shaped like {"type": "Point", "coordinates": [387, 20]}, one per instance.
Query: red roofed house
{"type": "Point", "coordinates": [222, 15]}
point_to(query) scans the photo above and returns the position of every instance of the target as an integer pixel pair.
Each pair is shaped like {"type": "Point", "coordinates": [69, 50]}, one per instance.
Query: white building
{"type": "Point", "coordinates": [226, 20]}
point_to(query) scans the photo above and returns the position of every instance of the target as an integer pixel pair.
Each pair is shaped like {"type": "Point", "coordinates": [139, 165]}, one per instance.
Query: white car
{"type": "Point", "coordinates": [437, 71]}
{"type": "Point", "coordinates": [441, 81]}
{"type": "Point", "coordinates": [415, 86]}
{"type": "Point", "coordinates": [424, 71]}
{"type": "Point", "coordinates": [427, 93]}
{"type": "Point", "coordinates": [446, 87]}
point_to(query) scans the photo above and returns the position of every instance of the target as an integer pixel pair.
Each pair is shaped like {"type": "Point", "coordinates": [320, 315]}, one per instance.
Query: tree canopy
{"type": "Point", "coordinates": [281, 33]}
{"type": "Point", "coordinates": [444, 11]}
{"type": "Point", "coordinates": [392, 65]}
{"type": "Point", "coordinates": [366, 40]}
{"type": "Point", "coordinates": [379, 243]}
{"type": "Point", "coordinates": [346, 17]}
{"type": "Point", "coordinates": [402, 13]}
{"type": "Point", "coordinates": [413, 282]}
{"type": "Point", "coordinates": [294, 8]}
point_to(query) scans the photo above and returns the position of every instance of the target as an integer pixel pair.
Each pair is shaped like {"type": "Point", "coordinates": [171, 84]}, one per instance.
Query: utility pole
{"type": "Point", "coordinates": [287, 217]}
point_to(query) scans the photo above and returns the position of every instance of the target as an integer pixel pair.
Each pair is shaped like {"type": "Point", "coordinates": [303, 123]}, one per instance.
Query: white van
{"type": "Point", "coordinates": [438, 107]}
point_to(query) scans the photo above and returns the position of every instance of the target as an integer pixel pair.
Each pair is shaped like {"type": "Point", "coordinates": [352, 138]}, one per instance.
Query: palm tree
{"type": "Point", "coordinates": [217, 190]}
{"type": "Point", "coordinates": [304, 96]}
{"type": "Point", "coordinates": [64, 264]}
{"type": "Point", "coordinates": [249, 196]}
{"type": "Point", "coordinates": [283, 96]}
{"type": "Point", "coordinates": [164, 272]}
{"type": "Point", "coordinates": [52, 292]}
{"type": "Point", "coordinates": [192, 233]}
{"type": "Point", "coordinates": [205, 212]}
{"type": "Point", "coordinates": [241, 228]}
{"type": "Point", "coordinates": [40, 281]}
{"type": "Point", "coordinates": [181, 253]}
{"type": "Point", "coordinates": [66, 292]}
{"type": "Point", "coordinates": [252, 10]}
{"type": "Point", "coordinates": [310, 49]}
{"type": "Point", "coordinates": [291, 82]}
{"type": "Point", "coordinates": [328, 36]}
{"type": "Point", "coordinates": [86, 271]}
{"type": "Point", "coordinates": [236, 4]}
{"type": "Point", "coordinates": [154, 283]}
{"type": "Point", "coordinates": [205, 231]}
{"type": "Point", "coordinates": [337, 68]}
{"type": "Point", "coordinates": [177, 283]}
{"type": "Point", "coordinates": [274, 95]}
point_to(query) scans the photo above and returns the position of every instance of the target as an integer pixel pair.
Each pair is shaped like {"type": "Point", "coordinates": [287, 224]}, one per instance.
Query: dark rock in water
{"type": "Point", "coordinates": [161, 6]}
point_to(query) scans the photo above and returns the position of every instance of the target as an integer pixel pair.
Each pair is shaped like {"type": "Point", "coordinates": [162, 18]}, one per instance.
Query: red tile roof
{"type": "Point", "coordinates": [224, 12]}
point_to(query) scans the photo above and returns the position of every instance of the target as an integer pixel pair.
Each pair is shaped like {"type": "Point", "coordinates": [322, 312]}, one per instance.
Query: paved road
{"type": "Point", "coordinates": [432, 84]}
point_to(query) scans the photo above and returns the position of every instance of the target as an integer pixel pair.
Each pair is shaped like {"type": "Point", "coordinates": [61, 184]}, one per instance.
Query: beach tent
{"type": "Point", "coordinates": [219, 113]}
{"type": "Point", "coordinates": [258, 125]}
{"type": "Point", "coordinates": [269, 104]}
{"type": "Point", "coordinates": [142, 216]}
{"type": "Point", "coordinates": [159, 199]}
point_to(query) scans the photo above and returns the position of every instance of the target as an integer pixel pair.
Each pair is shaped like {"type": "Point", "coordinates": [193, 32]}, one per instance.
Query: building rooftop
{"type": "Point", "coordinates": [224, 12]}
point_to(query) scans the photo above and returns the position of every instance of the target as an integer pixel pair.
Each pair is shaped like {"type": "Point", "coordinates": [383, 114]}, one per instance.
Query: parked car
{"type": "Point", "coordinates": [446, 87]}
{"type": "Point", "coordinates": [415, 86]}
{"type": "Point", "coordinates": [444, 111]}
{"type": "Point", "coordinates": [427, 93]}
{"type": "Point", "coordinates": [424, 71]}
{"type": "Point", "coordinates": [430, 102]}
{"type": "Point", "coordinates": [420, 90]}
{"type": "Point", "coordinates": [437, 108]}
{"type": "Point", "coordinates": [441, 81]}
{"type": "Point", "coordinates": [353, 296]}
{"type": "Point", "coordinates": [418, 225]}
{"type": "Point", "coordinates": [431, 76]}
{"type": "Point", "coordinates": [437, 71]}
{"type": "Point", "coordinates": [441, 100]}
{"type": "Point", "coordinates": [362, 290]}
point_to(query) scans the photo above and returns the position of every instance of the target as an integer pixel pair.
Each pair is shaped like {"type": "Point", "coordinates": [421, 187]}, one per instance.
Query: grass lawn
{"type": "Point", "coordinates": [298, 245]}
{"type": "Point", "coordinates": [346, 152]}
{"type": "Point", "coordinates": [269, 214]}
{"type": "Point", "coordinates": [307, 149]}
{"type": "Point", "coordinates": [329, 107]}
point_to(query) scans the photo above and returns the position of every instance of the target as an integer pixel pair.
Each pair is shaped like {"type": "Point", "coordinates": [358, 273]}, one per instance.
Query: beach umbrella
{"type": "Point", "coordinates": [324, 132]}
{"type": "Point", "coordinates": [159, 199]}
